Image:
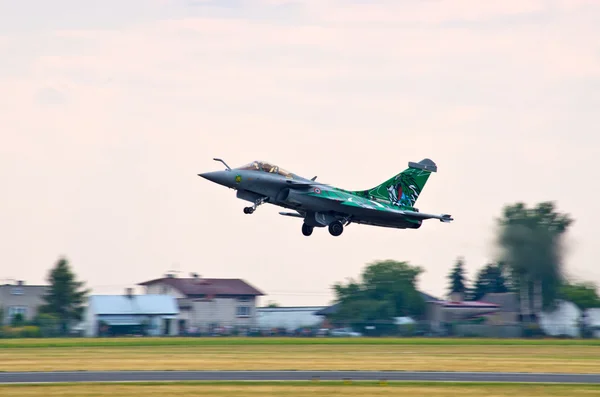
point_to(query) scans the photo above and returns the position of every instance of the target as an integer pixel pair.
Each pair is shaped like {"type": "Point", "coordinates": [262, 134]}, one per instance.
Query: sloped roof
{"type": "Point", "coordinates": [428, 298]}
{"type": "Point", "coordinates": [468, 304]}
{"type": "Point", "coordinates": [328, 310]}
{"type": "Point", "coordinates": [507, 301]}
{"type": "Point", "coordinates": [208, 286]}
{"type": "Point", "coordinates": [136, 304]}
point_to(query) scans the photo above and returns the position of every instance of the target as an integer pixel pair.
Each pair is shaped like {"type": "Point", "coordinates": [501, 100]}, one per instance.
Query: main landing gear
{"type": "Point", "coordinates": [250, 210]}
{"type": "Point", "coordinates": [336, 228]}
{"type": "Point", "coordinates": [307, 229]}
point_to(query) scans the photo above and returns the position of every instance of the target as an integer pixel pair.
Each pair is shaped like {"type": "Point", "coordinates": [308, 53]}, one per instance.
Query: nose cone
{"type": "Point", "coordinates": [220, 177]}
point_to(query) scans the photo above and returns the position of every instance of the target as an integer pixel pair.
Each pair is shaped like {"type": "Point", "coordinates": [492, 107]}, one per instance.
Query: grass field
{"type": "Point", "coordinates": [257, 341]}
{"type": "Point", "coordinates": [268, 389]}
{"type": "Point", "coordinates": [566, 356]}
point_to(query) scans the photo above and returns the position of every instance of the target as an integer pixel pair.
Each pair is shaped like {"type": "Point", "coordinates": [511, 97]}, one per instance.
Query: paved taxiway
{"type": "Point", "coordinates": [144, 376]}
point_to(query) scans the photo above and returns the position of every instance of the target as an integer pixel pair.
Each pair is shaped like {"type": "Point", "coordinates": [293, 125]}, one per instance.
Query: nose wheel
{"type": "Point", "coordinates": [250, 210]}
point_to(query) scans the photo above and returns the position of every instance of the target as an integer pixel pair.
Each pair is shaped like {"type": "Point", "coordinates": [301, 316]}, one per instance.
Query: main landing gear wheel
{"type": "Point", "coordinates": [306, 229]}
{"type": "Point", "coordinates": [248, 210]}
{"type": "Point", "coordinates": [336, 228]}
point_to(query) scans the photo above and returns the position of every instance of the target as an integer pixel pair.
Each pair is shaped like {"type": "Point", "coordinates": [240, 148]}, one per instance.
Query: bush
{"type": "Point", "coordinates": [28, 331]}
{"type": "Point", "coordinates": [48, 324]}
{"type": "Point", "coordinates": [407, 329]}
{"type": "Point", "coordinates": [31, 331]}
{"type": "Point", "coordinates": [7, 331]}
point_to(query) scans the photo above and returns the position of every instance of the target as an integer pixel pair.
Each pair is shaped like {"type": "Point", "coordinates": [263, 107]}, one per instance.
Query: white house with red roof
{"type": "Point", "coordinates": [209, 304]}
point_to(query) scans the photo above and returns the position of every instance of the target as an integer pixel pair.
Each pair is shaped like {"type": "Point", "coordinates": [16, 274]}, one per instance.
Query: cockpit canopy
{"type": "Point", "coordinates": [265, 167]}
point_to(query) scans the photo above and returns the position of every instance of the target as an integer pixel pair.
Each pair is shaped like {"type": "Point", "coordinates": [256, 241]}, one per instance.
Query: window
{"type": "Point", "coordinates": [243, 311]}
{"type": "Point", "coordinates": [16, 291]}
{"type": "Point", "coordinates": [14, 310]}
{"type": "Point", "coordinates": [244, 299]}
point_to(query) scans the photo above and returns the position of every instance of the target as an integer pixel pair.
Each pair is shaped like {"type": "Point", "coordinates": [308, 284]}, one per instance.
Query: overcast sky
{"type": "Point", "coordinates": [109, 110]}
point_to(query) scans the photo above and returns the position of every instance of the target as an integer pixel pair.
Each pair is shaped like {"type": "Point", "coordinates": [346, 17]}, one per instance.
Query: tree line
{"type": "Point", "coordinates": [530, 263]}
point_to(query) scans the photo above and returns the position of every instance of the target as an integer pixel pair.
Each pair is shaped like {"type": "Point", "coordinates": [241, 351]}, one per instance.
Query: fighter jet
{"type": "Point", "coordinates": [390, 204]}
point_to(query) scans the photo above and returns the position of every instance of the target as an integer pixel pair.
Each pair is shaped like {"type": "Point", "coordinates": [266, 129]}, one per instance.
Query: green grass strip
{"type": "Point", "coordinates": [258, 341]}
{"type": "Point", "coordinates": [441, 384]}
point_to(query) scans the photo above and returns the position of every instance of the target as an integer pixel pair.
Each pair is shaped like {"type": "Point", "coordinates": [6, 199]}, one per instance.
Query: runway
{"type": "Point", "coordinates": [145, 376]}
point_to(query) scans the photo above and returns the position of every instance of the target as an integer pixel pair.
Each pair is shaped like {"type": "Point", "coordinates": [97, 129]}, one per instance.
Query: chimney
{"type": "Point", "coordinates": [194, 275]}
{"type": "Point", "coordinates": [20, 282]}
{"type": "Point", "coordinates": [129, 292]}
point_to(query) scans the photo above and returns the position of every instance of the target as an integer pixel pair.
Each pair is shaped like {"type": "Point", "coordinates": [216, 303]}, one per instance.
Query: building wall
{"type": "Point", "coordinates": [136, 309]}
{"type": "Point", "coordinates": [437, 314]}
{"type": "Point", "coordinates": [157, 324]}
{"type": "Point", "coordinates": [90, 327]}
{"type": "Point", "coordinates": [24, 299]}
{"type": "Point", "coordinates": [289, 318]}
{"type": "Point", "coordinates": [221, 312]}
{"type": "Point", "coordinates": [503, 318]}
{"type": "Point", "coordinates": [434, 314]}
{"type": "Point", "coordinates": [204, 314]}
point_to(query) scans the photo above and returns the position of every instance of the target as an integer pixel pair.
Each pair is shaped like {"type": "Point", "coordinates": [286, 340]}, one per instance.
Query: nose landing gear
{"type": "Point", "coordinates": [250, 210]}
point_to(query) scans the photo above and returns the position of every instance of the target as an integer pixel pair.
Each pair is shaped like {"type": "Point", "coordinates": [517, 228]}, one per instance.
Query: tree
{"type": "Point", "coordinates": [489, 279]}
{"type": "Point", "coordinates": [530, 240]}
{"type": "Point", "coordinates": [272, 304]}
{"type": "Point", "coordinates": [65, 297]}
{"type": "Point", "coordinates": [584, 295]}
{"type": "Point", "coordinates": [387, 290]}
{"type": "Point", "coordinates": [457, 278]}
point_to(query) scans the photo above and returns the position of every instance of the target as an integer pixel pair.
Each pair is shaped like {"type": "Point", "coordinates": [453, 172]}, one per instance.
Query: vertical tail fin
{"type": "Point", "coordinates": [404, 188]}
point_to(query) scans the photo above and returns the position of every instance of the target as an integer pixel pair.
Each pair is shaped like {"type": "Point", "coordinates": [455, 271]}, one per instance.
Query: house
{"type": "Point", "coordinates": [564, 319]}
{"type": "Point", "coordinates": [131, 314]}
{"type": "Point", "coordinates": [455, 309]}
{"type": "Point", "coordinates": [508, 311]}
{"type": "Point", "coordinates": [591, 320]}
{"type": "Point", "coordinates": [290, 318]}
{"type": "Point", "coordinates": [208, 304]}
{"type": "Point", "coordinates": [19, 298]}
